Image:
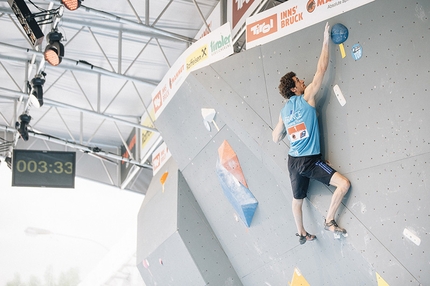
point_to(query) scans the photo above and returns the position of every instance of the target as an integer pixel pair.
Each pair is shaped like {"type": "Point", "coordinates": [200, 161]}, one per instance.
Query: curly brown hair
{"type": "Point", "coordinates": [287, 83]}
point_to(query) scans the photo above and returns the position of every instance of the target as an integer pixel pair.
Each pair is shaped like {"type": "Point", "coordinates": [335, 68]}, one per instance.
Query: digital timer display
{"type": "Point", "coordinates": [54, 169]}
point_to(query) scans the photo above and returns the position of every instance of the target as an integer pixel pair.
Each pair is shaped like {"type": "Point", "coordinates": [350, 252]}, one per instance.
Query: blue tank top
{"type": "Point", "coordinates": [301, 122]}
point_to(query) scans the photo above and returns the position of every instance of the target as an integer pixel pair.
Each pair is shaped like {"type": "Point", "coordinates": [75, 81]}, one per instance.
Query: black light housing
{"type": "Point", "coordinates": [71, 4]}
{"type": "Point", "coordinates": [27, 21]}
{"type": "Point", "coordinates": [23, 125]}
{"type": "Point", "coordinates": [54, 51]}
{"type": "Point", "coordinates": [36, 95]}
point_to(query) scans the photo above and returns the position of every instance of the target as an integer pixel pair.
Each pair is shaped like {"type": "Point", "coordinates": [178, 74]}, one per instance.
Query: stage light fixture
{"type": "Point", "coordinates": [71, 4]}
{"type": "Point", "coordinates": [27, 21]}
{"type": "Point", "coordinates": [23, 125]}
{"type": "Point", "coordinates": [54, 51]}
{"type": "Point", "coordinates": [36, 94]}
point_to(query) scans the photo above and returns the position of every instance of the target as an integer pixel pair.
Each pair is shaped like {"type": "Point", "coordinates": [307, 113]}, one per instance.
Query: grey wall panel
{"type": "Point", "coordinates": [363, 246]}
{"type": "Point", "coordinates": [157, 218]}
{"type": "Point", "coordinates": [171, 264]}
{"type": "Point", "coordinates": [182, 126]}
{"type": "Point", "coordinates": [200, 240]}
{"type": "Point", "coordinates": [233, 104]}
{"type": "Point", "coordinates": [244, 74]}
{"type": "Point", "coordinates": [175, 243]}
{"type": "Point", "coordinates": [395, 197]}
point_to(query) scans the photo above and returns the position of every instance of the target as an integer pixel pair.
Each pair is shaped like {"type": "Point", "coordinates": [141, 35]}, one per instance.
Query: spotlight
{"type": "Point", "coordinates": [27, 21]}
{"type": "Point", "coordinates": [54, 51]}
{"type": "Point", "coordinates": [71, 4]}
{"type": "Point", "coordinates": [36, 95]}
{"type": "Point", "coordinates": [23, 125]}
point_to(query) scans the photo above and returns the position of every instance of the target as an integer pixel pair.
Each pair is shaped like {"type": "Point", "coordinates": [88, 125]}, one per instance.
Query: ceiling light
{"type": "Point", "coordinates": [23, 125]}
{"type": "Point", "coordinates": [54, 51]}
{"type": "Point", "coordinates": [36, 94]}
{"type": "Point", "coordinates": [71, 4]}
{"type": "Point", "coordinates": [27, 21]}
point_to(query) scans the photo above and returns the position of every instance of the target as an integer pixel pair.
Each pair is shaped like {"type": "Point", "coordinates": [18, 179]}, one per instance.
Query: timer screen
{"type": "Point", "coordinates": [54, 169]}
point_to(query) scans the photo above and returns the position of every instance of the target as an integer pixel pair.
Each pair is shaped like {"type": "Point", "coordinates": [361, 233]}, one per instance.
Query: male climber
{"type": "Point", "coordinates": [298, 119]}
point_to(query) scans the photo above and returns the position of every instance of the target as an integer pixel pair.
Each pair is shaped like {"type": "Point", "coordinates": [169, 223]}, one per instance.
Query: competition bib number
{"type": "Point", "coordinates": [298, 132]}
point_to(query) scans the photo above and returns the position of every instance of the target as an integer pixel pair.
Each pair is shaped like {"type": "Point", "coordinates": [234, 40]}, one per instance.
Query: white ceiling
{"type": "Point", "coordinates": [116, 52]}
{"type": "Point", "coordinates": [129, 46]}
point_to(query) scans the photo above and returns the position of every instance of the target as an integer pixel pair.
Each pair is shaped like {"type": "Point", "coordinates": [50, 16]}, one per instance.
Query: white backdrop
{"type": "Point", "coordinates": [87, 224]}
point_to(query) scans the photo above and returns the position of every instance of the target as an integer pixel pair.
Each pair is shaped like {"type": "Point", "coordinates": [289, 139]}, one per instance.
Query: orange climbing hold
{"type": "Point", "coordinates": [229, 160]}
{"type": "Point", "coordinates": [163, 179]}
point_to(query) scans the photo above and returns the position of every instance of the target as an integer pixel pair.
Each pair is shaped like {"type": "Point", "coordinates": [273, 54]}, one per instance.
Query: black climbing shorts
{"type": "Point", "coordinates": [302, 169]}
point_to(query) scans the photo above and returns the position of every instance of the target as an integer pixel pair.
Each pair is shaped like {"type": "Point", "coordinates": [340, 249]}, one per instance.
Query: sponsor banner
{"type": "Point", "coordinates": [138, 145]}
{"type": "Point", "coordinates": [160, 157]}
{"type": "Point", "coordinates": [213, 47]}
{"type": "Point", "coordinates": [197, 57]}
{"type": "Point", "coordinates": [292, 16]}
{"type": "Point", "coordinates": [238, 11]}
{"type": "Point", "coordinates": [168, 86]}
{"type": "Point", "coordinates": [132, 144]}
{"type": "Point", "coordinates": [148, 138]}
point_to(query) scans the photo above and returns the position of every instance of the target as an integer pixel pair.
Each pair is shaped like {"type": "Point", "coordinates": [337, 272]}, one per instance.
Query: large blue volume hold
{"type": "Point", "coordinates": [239, 196]}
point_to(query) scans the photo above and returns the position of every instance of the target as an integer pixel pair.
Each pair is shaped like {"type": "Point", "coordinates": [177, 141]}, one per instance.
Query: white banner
{"type": "Point", "coordinates": [293, 16]}
{"type": "Point", "coordinates": [160, 157]}
{"type": "Point", "coordinates": [211, 48]}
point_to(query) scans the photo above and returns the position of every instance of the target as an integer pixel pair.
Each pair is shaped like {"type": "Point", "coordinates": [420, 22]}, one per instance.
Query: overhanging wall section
{"type": "Point", "coordinates": [175, 244]}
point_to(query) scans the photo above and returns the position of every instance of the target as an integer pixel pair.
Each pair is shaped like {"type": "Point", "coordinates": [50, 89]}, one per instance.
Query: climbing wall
{"type": "Point", "coordinates": [380, 140]}
{"type": "Point", "coordinates": [175, 244]}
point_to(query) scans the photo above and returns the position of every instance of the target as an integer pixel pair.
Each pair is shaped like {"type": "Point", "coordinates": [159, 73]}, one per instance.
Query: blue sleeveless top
{"type": "Point", "coordinates": [301, 122]}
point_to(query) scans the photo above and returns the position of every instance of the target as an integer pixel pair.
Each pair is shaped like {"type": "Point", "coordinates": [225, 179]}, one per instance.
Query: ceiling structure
{"type": "Point", "coordinates": [115, 53]}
